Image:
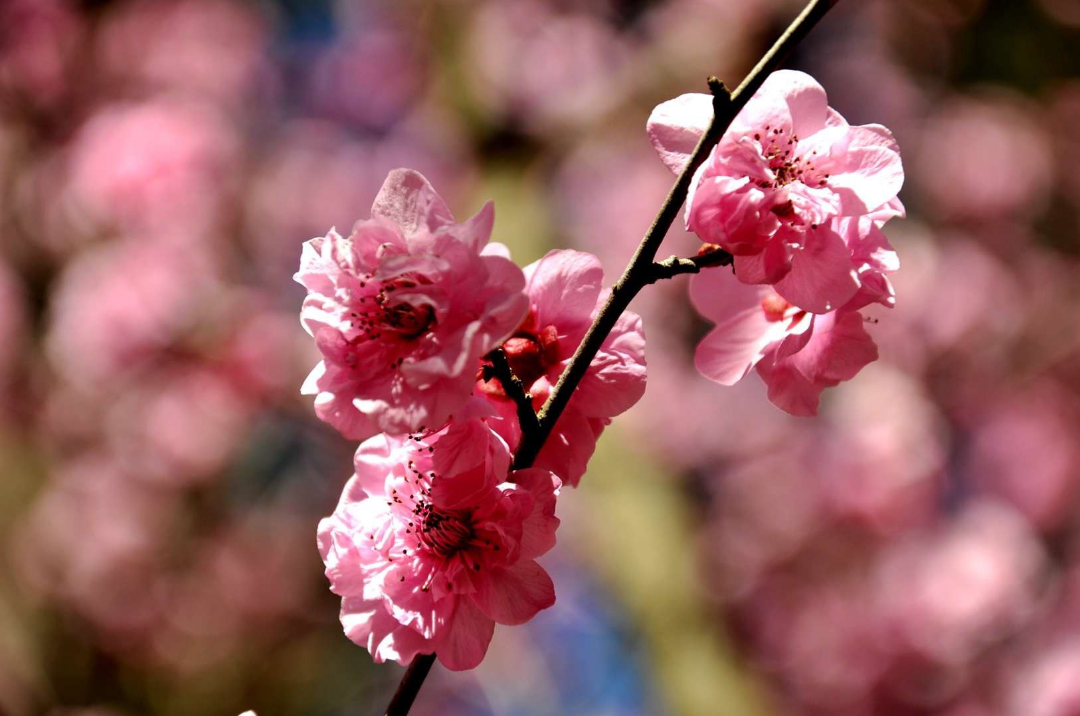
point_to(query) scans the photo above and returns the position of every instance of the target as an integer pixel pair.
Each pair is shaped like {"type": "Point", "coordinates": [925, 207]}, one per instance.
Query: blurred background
{"type": "Point", "coordinates": [915, 550]}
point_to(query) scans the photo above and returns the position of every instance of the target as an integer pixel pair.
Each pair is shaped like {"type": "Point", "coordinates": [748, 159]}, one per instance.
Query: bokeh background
{"type": "Point", "coordinates": [915, 550]}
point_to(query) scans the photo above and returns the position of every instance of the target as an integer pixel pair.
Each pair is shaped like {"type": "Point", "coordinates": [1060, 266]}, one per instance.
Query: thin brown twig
{"type": "Point", "coordinates": [499, 369]}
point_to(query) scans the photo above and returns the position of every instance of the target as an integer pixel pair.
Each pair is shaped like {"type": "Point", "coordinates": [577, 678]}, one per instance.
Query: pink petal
{"type": "Point", "coordinates": [839, 349]}
{"type": "Point", "coordinates": [806, 99]}
{"type": "Point", "coordinates": [463, 639]}
{"type": "Point", "coordinates": [408, 199]}
{"type": "Point", "coordinates": [789, 390]}
{"type": "Point", "coordinates": [821, 278]}
{"type": "Point", "coordinates": [373, 462]}
{"type": "Point", "coordinates": [569, 448]}
{"type": "Point", "coordinates": [515, 594]}
{"type": "Point", "coordinates": [367, 624]}
{"type": "Point", "coordinates": [563, 287]}
{"type": "Point", "coordinates": [742, 331]}
{"type": "Point", "coordinates": [866, 178]}
{"type": "Point", "coordinates": [675, 126]}
{"type": "Point", "coordinates": [615, 380]}
{"type": "Point", "coordinates": [538, 529]}
{"type": "Point", "coordinates": [475, 231]}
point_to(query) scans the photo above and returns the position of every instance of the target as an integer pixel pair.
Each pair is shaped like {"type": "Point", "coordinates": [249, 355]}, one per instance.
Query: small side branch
{"type": "Point", "coordinates": [500, 369]}
{"type": "Point", "coordinates": [677, 265]}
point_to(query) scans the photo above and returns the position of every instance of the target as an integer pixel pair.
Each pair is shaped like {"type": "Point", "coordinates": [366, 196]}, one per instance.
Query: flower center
{"type": "Point", "coordinates": [444, 533]}
{"type": "Point", "coordinates": [379, 314]}
{"type": "Point", "coordinates": [779, 147]}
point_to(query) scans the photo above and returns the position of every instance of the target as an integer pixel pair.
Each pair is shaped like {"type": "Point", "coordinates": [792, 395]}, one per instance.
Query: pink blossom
{"type": "Point", "coordinates": [119, 307]}
{"type": "Point", "coordinates": [403, 309]}
{"type": "Point", "coordinates": [985, 158]}
{"type": "Point", "coordinates": [798, 354]}
{"type": "Point", "coordinates": [769, 193]}
{"type": "Point", "coordinates": [565, 294]}
{"type": "Point", "coordinates": [162, 166]}
{"type": "Point", "coordinates": [949, 594]}
{"type": "Point", "coordinates": [429, 546]}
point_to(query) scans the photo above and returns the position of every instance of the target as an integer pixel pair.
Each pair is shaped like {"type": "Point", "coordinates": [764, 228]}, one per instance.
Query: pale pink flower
{"type": "Point", "coordinates": [119, 307]}
{"type": "Point", "coordinates": [985, 158]}
{"type": "Point", "coordinates": [433, 542]}
{"type": "Point", "coordinates": [1047, 685]}
{"type": "Point", "coordinates": [403, 309]}
{"type": "Point", "coordinates": [163, 166]}
{"type": "Point", "coordinates": [565, 294]}
{"type": "Point", "coordinates": [798, 354]}
{"type": "Point", "coordinates": [769, 192]}
{"type": "Point", "coordinates": [948, 595]}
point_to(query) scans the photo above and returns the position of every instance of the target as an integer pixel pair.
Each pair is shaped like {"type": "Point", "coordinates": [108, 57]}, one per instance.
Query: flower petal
{"type": "Point", "coordinates": [821, 278]}
{"type": "Point", "coordinates": [675, 126]}
{"type": "Point", "coordinates": [464, 636]}
{"type": "Point", "coordinates": [515, 594]}
{"type": "Point", "coordinates": [408, 199]}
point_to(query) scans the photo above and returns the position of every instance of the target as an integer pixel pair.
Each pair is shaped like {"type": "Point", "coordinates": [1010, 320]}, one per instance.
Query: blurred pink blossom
{"type": "Point", "coordinates": [121, 306]}
{"type": "Point", "coordinates": [984, 157]}
{"type": "Point", "coordinates": [212, 49]}
{"type": "Point", "coordinates": [1048, 684]}
{"type": "Point", "coordinates": [429, 547]}
{"type": "Point", "coordinates": [95, 541]}
{"type": "Point", "coordinates": [162, 166]}
{"type": "Point", "coordinates": [39, 43]}
{"type": "Point", "coordinates": [881, 470]}
{"type": "Point", "coordinates": [949, 594]}
{"type": "Point", "coordinates": [370, 77]}
{"type": "Point", "coordinates": [1024, 451]}
{"type": "Point", "coordinates": [180, 424]}
{"type": "Point", "coordinates": [544, 68]}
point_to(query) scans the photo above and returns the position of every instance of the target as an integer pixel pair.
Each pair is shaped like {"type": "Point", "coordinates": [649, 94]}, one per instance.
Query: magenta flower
{"type": "Point", "coordinates": [403, 309]}
{"type": "Point", "coordinates": [433, 542]}
{"type": "Point", "coordinates": [565, 293]}
{"type": "Point", "coordinates": [770, 191]}
{"type": "Point", "coordinates": [798, 354]}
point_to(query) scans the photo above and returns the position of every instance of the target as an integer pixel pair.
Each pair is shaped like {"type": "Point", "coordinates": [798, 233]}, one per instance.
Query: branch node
{"type": "Point", "coordinates": [499, 367]}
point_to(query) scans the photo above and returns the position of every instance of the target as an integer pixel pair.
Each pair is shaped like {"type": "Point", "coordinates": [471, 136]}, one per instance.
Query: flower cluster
{"type": "Point", "coordinates": [798, 197]}
{"type": "Point", "coordinates": [435, 538]}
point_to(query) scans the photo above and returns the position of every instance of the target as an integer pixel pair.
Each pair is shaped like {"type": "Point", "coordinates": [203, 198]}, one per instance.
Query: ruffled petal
{"type": "Point", "coordinates": [408, 199]}
{"type": "Point", "coordinates": [675, 126]}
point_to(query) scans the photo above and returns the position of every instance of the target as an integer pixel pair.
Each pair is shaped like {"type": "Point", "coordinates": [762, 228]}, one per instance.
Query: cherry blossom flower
{"type": "Point", "coordinates": [403, 309]}
{"type": "Point", "coordinates": [433, 542]}
{"type": "Point", "coordinates": [565, 294]}
{"type": "Point", "coordinates": [770, 191]}
{"type": "Point", "coordinates": [798, 354]}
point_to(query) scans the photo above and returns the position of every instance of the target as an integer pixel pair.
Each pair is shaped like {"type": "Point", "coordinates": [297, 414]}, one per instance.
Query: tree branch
{"type": "Point", "coordinates": [500, 369]}
{"type": "Point", "coordinates": [640, 272]}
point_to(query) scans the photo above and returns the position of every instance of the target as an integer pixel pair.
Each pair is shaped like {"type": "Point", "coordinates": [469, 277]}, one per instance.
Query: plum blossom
{"type": "Point", "coordinates": [433, 542]}
{"type": "Point", "coordinates": [797, 353]}
{"type": "Point", "coordinates": [565, 294]}
{"type": "Point", "coordinates": [403, 309]}
{"type": "Point", "coordinates": [771, 191]}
